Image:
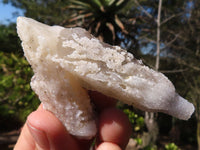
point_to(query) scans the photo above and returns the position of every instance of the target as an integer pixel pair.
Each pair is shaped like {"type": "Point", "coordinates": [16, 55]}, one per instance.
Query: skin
{"type": "Point", "coordinates": [43, 131]}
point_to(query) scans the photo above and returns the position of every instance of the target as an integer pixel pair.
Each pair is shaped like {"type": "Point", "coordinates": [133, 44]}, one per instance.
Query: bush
{"type": "Point", "coordinates": [136, 120]}
{"type": "Point", "coordinates": [17, 99]}
{"type": "Point", "coordinates": [171, 146]}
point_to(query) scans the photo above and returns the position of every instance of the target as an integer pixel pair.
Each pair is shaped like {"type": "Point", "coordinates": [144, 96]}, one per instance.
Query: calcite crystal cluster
{"type": "Point", "coordinates": [69, 61]}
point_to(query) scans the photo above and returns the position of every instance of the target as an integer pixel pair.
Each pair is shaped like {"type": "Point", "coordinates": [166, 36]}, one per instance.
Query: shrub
{"type": "Point", "coordinates": [171, 146]}
{"type": "Point", "coordinates": [17, 99]}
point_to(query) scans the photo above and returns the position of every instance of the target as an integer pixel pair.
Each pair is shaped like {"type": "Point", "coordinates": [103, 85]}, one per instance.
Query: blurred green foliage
{"type": "Point", "coordinates": [17, 99]}
{"type": "Point", "coordinates": [136, 120]}
{"type": "Point", "coordinates": [171, 146]}
{"type": "Point", "coordinates": [150, 147]}
{"type": "Point", "coordinates": [139, 141]}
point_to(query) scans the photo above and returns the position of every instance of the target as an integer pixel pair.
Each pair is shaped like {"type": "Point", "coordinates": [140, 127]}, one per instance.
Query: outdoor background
{"type": "Point", "coordinates": [164, 34]}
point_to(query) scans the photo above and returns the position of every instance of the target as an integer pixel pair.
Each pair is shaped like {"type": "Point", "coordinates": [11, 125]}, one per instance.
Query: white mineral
{"type": "Point", "coordinates": [66, 61]}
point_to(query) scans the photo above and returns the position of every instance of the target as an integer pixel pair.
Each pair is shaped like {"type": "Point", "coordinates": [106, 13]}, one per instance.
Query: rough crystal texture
{"type": "Point", "coordinates": [66, 60]}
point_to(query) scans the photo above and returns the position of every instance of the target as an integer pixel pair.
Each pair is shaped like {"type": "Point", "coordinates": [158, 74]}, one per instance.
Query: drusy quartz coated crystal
{"type": "Point", "coordinates": [69, 61]}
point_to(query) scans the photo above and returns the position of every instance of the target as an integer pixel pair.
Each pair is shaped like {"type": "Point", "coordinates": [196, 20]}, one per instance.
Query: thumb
{"type": "Point", "coordinates": [43, 131]}
{"type": "Point", "coordinates": [40, 137]}
{"type": "Point", "coordinates": [31, 139]}
{"type": "Point", "coordinates": [48, 132]}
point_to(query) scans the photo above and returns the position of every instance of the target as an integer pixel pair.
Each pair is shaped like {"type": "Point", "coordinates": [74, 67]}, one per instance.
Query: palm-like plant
{"type": "Point", "coordinates": [103, 18]}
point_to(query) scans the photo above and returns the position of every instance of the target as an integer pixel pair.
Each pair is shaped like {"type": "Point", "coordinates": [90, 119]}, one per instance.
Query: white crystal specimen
{"type": "Point", "coordinates": [66, 61]}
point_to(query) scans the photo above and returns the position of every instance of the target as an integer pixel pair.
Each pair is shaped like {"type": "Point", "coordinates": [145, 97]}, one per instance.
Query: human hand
{"type": "Point", "coordinates": [43, 131]}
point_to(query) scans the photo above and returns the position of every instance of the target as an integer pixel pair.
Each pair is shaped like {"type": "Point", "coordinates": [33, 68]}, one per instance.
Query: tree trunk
{"type": "Point", "coordinates": [150, 138]}
{"type": "Point", "coordinates": [150, 117]}
{"type": "Point", "coordinates": [158, 36]}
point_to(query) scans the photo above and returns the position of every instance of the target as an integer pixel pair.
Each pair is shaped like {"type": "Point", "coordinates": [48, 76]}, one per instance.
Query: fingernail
{"type": "Point", "coordinates": [39, 137]}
